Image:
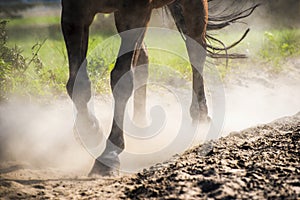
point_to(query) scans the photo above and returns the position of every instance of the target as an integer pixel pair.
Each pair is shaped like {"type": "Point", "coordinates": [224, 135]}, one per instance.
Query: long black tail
{"type": "Point", "coordinates": [217, 20]}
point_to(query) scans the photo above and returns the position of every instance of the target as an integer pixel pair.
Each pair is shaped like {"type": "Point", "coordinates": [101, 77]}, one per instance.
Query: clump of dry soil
{"type": "Point", "coordinates": [260, 162]}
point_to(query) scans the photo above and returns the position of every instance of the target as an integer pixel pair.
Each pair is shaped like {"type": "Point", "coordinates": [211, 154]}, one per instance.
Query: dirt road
{"type": "Point", "coordinates": [259, 162]}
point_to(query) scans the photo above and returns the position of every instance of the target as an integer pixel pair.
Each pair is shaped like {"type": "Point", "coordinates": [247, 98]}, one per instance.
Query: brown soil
{"type": "Point", "coordinates": [257, 163]}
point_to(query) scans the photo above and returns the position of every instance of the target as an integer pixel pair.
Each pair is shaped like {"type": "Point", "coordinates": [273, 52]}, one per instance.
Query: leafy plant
{"type": "Point", "coordinates": [19, 74]}
{"type": "Point", "coordinates": [12, 64]}
{"type": "Point", "coordinates": [279, 45]}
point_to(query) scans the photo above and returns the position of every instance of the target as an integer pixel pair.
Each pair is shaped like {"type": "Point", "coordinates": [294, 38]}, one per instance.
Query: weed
{"type": "Point", "coordinates": [13, 64]}
{"type": "Point", "coordinates": [25, 76]}
{"type": "Point", "coordinates": [279, 45]}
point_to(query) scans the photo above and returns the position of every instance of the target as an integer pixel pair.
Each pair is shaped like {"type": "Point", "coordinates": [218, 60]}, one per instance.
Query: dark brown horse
{"type": "Point", "coordinates": [191, 18]}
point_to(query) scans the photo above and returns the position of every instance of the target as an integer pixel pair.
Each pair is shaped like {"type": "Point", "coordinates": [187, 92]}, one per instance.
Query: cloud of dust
{"type": "Point", "coordinates": [36, 135]}
{"type": "Point", "coordinates": [42, 135]}
{"type": "Point", "coordinates": [259, 99]}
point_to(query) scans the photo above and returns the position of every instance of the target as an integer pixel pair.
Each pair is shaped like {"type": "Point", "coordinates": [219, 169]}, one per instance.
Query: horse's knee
{"type": "Point", "coordinates": [74, 85]}
{"type": "Point", "coordinates": [69, 87]}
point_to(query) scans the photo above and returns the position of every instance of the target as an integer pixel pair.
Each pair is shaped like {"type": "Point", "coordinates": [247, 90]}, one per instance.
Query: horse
{"type": "Point", "coordinates": [191, 19]}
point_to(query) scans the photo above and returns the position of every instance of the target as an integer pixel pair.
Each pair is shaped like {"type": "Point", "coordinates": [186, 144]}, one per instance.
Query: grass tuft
{"type": "Point", "coordinates": [279, 45]}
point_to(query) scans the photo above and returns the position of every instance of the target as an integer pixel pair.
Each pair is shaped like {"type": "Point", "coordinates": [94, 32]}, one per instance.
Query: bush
{"type": "Point", "coordinates": [18, 74]}
{"type": "Point", "coordinates": [12, 64]}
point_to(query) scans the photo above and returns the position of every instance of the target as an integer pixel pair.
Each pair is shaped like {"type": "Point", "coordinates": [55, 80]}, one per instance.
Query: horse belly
{"type": "Point", "coordinates": [106, 6]}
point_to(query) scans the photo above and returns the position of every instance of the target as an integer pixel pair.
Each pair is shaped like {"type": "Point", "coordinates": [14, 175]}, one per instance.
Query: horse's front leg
{"type": "Point", "coordinates": [76, 33]}
{"type": "Point", "coordinates": [132, 20]}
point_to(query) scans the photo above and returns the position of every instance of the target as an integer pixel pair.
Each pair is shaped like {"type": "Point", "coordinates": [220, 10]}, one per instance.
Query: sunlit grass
{"type": "Point", "coordinates": [33, 21]}
{"type": "Point", "coordinates": [279, 45]}
{"type": "Point", "coordinates": [167, 54]}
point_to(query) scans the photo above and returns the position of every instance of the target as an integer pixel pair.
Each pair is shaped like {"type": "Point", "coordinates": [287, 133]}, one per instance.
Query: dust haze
{"type": "Point", "coordinates": [41, 136]}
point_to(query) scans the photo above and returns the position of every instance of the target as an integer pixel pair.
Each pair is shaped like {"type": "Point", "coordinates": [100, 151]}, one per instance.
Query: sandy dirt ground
{"type": "Point", "coordinates": [257, 163]}
{"type": "Point", "coordinates": [41, 159]}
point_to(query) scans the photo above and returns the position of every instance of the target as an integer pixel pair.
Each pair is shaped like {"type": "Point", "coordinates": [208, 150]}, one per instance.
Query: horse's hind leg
{"type": "Point", "coordinates": [127, 18]}
{"type": "Point", "coordinates": [140, 64]}
{"type": "Point", "coordinates": [195, 17]}
{"type": "Point", "coordinates": [76, 32]}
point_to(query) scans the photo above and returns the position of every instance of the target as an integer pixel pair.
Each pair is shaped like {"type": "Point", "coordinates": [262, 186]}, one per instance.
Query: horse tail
{"type": "Point", "coordinates": [216, 21]}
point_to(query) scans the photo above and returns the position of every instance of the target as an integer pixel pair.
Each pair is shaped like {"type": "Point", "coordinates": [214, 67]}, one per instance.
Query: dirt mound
{"type": "Point", "coordinates": [260, 162]}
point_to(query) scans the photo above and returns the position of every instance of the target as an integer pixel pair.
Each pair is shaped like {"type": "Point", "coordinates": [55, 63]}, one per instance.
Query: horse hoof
{"type": "Point", "coordinates": [205, 119]}
{"type": "Point", "coordinates": [140, 121]}
{"type": "Point", "coordinates": [106, 165]}
{"type": "Point", "coordinates": [87, 131]}
{"type": "Point", "coordinates": [202, 119]}
{"type": "Point", "coordinates": [100, 169]}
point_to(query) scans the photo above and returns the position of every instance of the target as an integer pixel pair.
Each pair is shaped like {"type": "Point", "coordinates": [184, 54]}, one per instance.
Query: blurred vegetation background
{"type": "Point", "coordinates": [33, 58]}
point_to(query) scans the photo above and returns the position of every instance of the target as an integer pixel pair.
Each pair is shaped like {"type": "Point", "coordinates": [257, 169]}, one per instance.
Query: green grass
{"type": "Point", "coordinates": [166, 65]}
{"type": "Point", "coordinates": [271, 47]}
{"type": "Point", "coordinates": [51, 78]}
{"type": "Point", "coordinates": [33, 21]}
{"type": "Point", "coordinates": [279, 45]}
